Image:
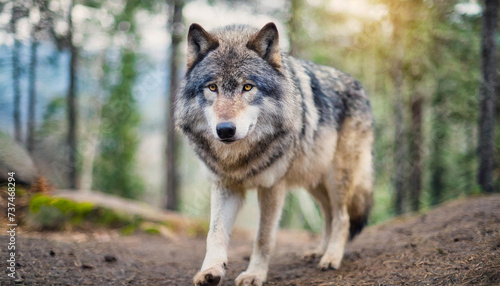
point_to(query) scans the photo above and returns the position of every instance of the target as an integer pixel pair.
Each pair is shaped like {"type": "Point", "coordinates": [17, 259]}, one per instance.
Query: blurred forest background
{"type": "Point", "coordinates": [86, 87]}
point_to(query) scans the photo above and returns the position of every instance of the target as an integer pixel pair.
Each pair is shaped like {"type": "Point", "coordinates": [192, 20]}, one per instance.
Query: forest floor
{"type": "Point", "coordinates": [456, 243]}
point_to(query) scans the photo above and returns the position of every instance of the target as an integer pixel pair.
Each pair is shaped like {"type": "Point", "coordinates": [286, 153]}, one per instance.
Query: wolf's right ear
{"type": "Point", "coordinates": [200, 42]}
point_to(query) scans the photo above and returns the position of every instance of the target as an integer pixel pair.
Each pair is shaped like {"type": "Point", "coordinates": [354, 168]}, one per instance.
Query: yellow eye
{"type": "Point", "coordinates": [212, 87]}
{"type": "Point", "coordinates": [247, 87]}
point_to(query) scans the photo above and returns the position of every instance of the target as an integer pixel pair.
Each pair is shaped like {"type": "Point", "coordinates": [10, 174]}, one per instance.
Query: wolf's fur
{"type": "Point", "coordinates": [300, 124]}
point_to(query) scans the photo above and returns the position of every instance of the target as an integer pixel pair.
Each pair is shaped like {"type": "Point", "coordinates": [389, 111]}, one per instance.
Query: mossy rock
{"type": "Point", "coordinates": [54, 213]}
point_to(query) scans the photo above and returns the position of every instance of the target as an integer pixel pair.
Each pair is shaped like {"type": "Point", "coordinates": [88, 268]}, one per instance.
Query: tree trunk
{"type": "Point", "coordinates": [439, 141]}
{"type": "Point", "coordinates": [487, 94]}
{"type": "Point", "coordinates": [415, 180]}
{"type": "Point", "coordinates": [30, 143]}
{"type": "Point", "coordinates": [399, 175]}
{"type": "Point", "coordinates": [72, 112]}
{"type": "Point", "coordinates": [93, 137]}
{"type": "Point", "coordinates": [399, 159]}
{"type": "Point", "coordinates": [16, 73]}
{"type": "Point", "coordinates": [294, 25]}
{"type": "Point", "coordinates": [172, 140]}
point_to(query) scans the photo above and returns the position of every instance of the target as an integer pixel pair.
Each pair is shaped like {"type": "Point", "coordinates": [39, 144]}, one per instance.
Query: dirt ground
{"type": "Point", "coordinates": [457, 243]}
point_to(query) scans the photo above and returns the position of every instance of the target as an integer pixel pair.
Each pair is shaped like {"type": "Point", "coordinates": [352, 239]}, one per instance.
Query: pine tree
{"type": "Point", "coordinates": [172, 186]}
{"type": "Point", "coordinates": [487, 96]}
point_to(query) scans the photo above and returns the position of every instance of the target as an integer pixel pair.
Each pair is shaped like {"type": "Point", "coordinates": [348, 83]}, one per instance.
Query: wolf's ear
{"type": "Point", "coordinates": [200, 42]}
{"type": "Point", "coordinates": [266, 44]}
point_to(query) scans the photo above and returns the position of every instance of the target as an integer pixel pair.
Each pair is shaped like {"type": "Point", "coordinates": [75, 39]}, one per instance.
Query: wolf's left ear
{"type": "Point", "coordinates": [200, 42]}
{"type": "Point", "coordinates": [266, 44]}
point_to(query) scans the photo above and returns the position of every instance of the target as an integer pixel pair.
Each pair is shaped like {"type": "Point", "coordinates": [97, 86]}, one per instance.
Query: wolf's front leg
{"type": "Point", "coordinates": [224, 208]}
{"type": "Point", "coordinates": [270, 203]}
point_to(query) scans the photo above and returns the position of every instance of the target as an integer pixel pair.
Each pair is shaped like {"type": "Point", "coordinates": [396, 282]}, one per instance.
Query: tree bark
{"type": "Point", "coordinates": [30, 141]}
{"type": "Point", "coordinates": [415, 180]}
{"type": "Point", "coordinates": [175, 24]}
{"type": "Point", "coordinates": [399, 159]}
{"type": "Point", "coordinates": [16, 73]}
{"type": "Point", "coordinates": [439, 128]}
{"type": "Point", "coordinates": [93, 135]}
{"type": "Point", "coordinates": [72, 112]}
{"type": "Point", "coordinates": [294, 25]}
{"type": "Point", "coordinates": [487, 94]}
{"type": "Point", "coordinates": [399, 175]}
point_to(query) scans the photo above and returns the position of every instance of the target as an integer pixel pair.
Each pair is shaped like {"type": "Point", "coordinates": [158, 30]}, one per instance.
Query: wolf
{"type": "Point", "coordinates": [260, 119]}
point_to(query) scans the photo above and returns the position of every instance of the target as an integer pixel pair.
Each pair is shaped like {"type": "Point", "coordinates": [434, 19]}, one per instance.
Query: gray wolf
{"type": "Point", "coordinates": [260, 119]}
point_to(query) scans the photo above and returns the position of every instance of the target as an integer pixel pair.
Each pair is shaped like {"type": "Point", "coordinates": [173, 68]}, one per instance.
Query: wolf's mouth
{"type": "Point", "coordinates": [227, 141]}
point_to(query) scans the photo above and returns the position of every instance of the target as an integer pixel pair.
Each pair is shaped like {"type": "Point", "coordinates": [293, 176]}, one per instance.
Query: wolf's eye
{"type": "Point", "coordinates": [212, 87]}
{"type": "Point", "coordinates": [247, 87]}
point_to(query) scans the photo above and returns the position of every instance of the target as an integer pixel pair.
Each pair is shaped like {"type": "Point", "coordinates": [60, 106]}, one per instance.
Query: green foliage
{"type": "Point", "coordinates": [299, 212]}
{"type": "Point", "coordinates": [115, 168]}
{"type": "Point", "coordinates": [111, 218]}
{"type": "Point", "coordinates": [152, 230]}
{"type": "Point", "coordinates": [383, 208]}
{"type": "Point", "coordinates": [52, 117]}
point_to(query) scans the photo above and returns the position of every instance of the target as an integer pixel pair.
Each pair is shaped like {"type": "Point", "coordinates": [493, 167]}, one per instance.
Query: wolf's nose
{"type": "Point", "coordinates": [226, 130]}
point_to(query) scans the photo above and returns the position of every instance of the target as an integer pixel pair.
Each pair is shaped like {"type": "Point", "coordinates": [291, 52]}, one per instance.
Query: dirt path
{"type": "Point", "coordinates": [458, 243]}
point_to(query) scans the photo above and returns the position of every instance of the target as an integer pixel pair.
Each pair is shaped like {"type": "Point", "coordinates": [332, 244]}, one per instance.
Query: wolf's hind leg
{"type": "Point", "coordinates": [320, 195]}
{"type": "Point", "coordinates": [224, 207]}
{"type": "Point", "coordinates": [271, 203]}
{"type": "Point", "coordinates": [351, 178]}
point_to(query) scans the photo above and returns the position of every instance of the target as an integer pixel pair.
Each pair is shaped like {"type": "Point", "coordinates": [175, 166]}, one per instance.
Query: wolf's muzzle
{"type": "Point", "coordinates": [226, 131]}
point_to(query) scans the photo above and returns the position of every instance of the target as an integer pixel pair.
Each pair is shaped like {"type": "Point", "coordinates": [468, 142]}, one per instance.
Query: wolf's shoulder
{"type": "Point", "coordinates": [335, 94]}
{"type": "Point", "coordinates": [328, 78]}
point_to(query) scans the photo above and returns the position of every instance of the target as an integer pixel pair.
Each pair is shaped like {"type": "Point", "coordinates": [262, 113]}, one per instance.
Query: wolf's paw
{"type": "Point", "coordinates": [248, 279]}
{"type": "Point", "coordinates": [208, 277]}
{"type": "Point", "coordinates": [330, 261]}
{"type": "Point", "coordinates": [310, 256]}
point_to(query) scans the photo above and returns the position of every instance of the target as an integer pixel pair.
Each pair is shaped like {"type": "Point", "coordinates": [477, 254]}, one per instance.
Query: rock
{"type": "Point", "coordinates": [14, 158]}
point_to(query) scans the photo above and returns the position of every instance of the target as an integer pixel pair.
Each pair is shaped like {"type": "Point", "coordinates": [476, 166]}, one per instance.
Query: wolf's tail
{"type": "Point", "coordinates": [354, 160]}
{"type": "Point", "coordinates": [359, 209]}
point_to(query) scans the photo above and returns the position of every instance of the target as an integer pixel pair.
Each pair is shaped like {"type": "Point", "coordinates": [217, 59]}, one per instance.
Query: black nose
{"type": "Point", "coordinates": [226, 130]}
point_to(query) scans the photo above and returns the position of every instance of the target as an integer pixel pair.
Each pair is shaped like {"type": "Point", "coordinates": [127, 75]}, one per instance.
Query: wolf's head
{"type": "Point", "coordinates": [233, 85]}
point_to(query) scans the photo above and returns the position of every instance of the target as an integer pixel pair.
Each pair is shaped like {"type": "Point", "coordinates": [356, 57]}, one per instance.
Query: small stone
{"type": "Point", "coordinates": [110, 258]}
{"type": "Point", "coordinates": [87, 266]}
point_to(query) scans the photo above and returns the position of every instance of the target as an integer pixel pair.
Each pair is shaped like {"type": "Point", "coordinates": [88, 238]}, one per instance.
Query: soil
{"type": "Point", "coordinates": [456, 243]}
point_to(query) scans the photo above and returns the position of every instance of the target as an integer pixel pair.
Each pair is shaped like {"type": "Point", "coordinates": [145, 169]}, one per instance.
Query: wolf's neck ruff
{"type": "Point", "coordinates": [244, 159]}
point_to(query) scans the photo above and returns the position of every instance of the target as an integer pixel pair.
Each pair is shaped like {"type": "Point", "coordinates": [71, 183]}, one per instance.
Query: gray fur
{"type": "Point", "coordinates": [336, 96]}
{"type": "Point", "coordinates": [307, 125]}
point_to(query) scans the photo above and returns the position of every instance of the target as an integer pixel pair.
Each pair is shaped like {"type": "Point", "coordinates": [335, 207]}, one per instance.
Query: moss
{"type": "Point", "coordinates": [66, 206]}
{"type": "Point", "coordinates": [152, 230]}
{"type": "Point", "coordinates": [37, 201]}
{"type": "Point", "coordinates": [53, 213]}
{"type": "Point", "coordinates": [128, 230]}
{"type": "Point", "coordinates": [57, 213]}
{"type": "Point", "coordinates": [110, 218]}
{"type": "Point", "coordinates": [49, 218]}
